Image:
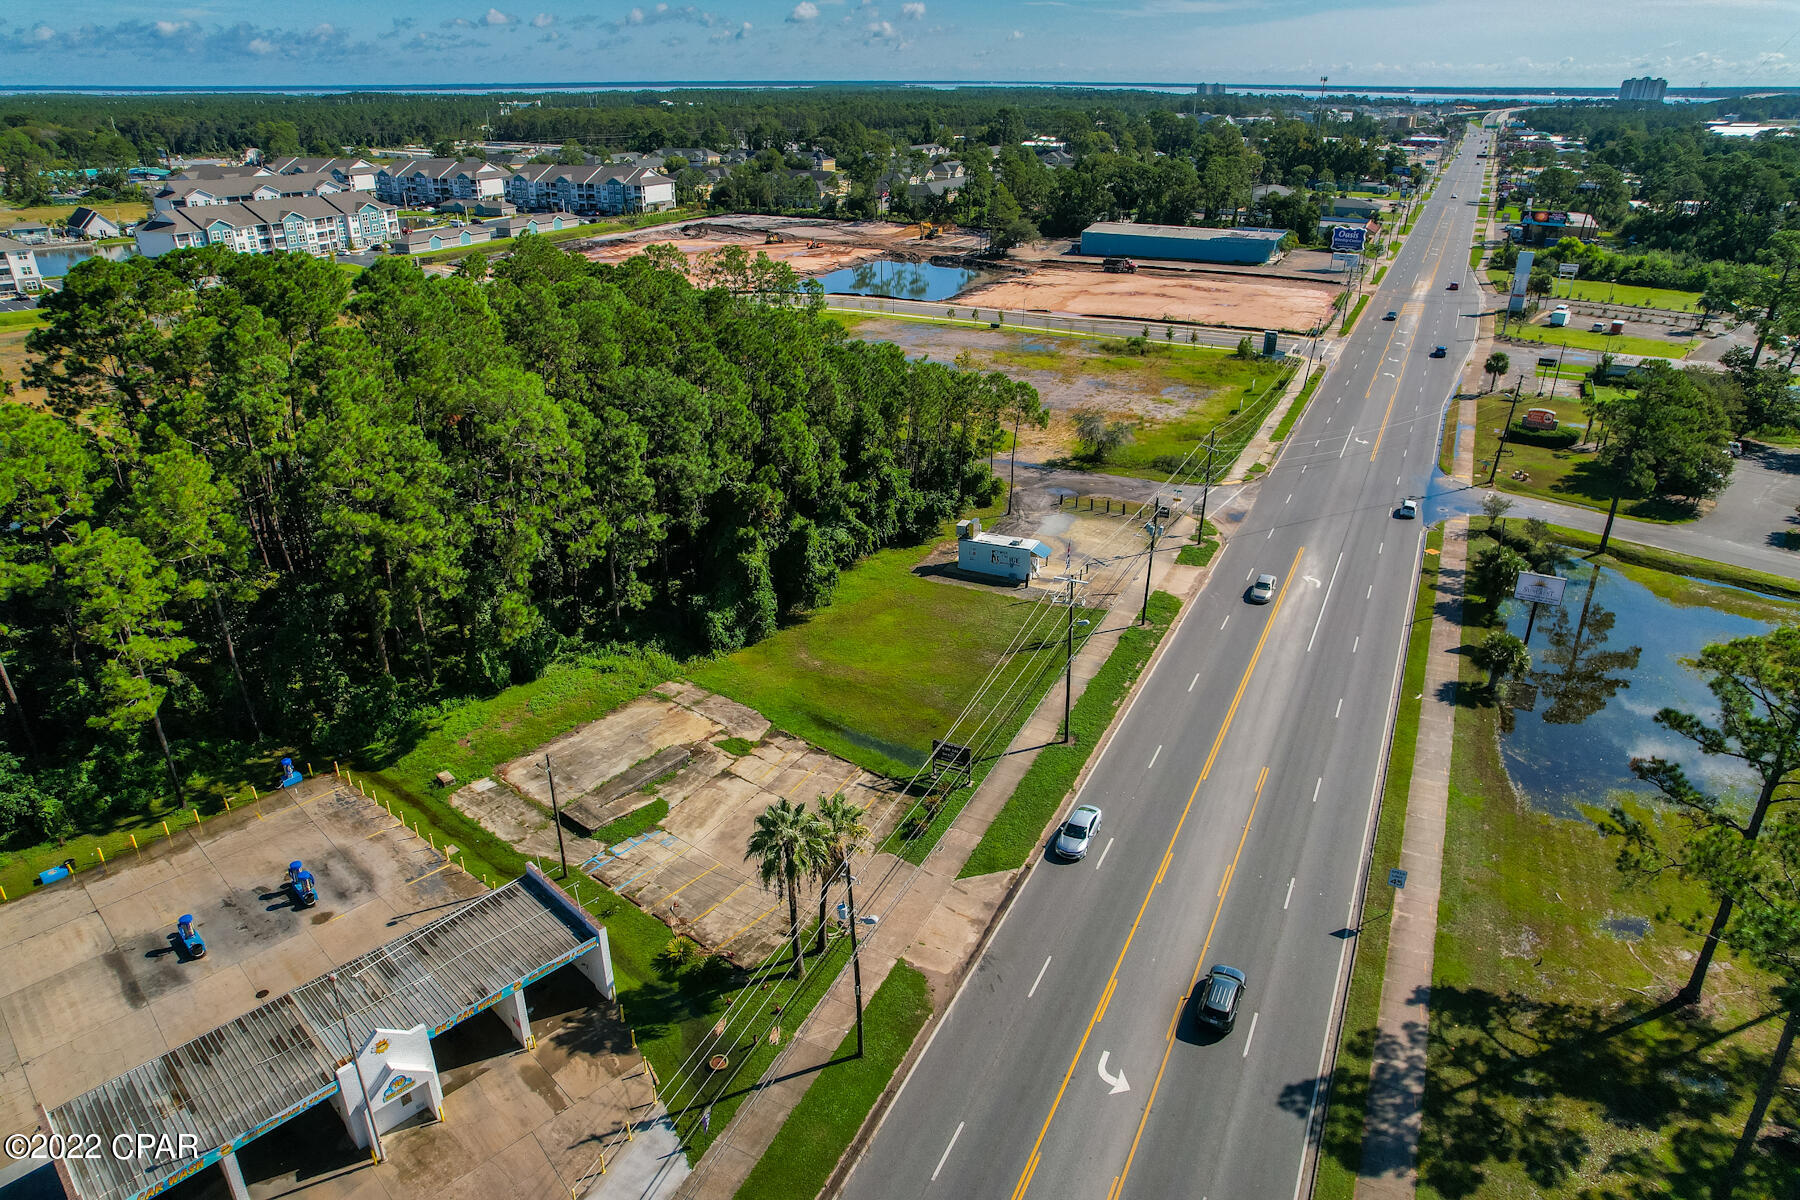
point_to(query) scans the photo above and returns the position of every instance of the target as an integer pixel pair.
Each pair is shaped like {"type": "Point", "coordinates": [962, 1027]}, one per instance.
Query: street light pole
{"type": "Point", "coordinates": [1069, 656]}
{"type": "Point", "coordinates": [356, 1058]}
{"type": "Point", "coordinates": [1154, 531]}
{"type": "Point", "coordinates": [1504, 430]}
{"type": "Point", "coordinates": [855, 958]}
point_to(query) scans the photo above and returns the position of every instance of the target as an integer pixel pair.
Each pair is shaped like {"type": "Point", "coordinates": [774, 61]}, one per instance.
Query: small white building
{"type": "Point", "coordinates": [1014, 558]}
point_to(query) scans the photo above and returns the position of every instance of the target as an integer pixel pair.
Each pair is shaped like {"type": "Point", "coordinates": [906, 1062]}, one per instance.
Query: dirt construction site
{"type": "Point", "coordinates": [1241, 301]}
{"type": "Point", "coordinates": [810, 247]}
{"type": "Point", "coordinates": [716, 764]}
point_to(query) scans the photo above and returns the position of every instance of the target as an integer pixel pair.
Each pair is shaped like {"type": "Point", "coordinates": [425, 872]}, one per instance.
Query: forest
{"type": "Point", "coordinates": [267, 503]}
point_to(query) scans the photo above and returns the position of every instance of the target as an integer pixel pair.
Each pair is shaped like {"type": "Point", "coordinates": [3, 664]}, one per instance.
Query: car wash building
{"type": "Point", "coordinates": [358, 1038]}
{"type": "Point", "coordinates": [1015, 559]}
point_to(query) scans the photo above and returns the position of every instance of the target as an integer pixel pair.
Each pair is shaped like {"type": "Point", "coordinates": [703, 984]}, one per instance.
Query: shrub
{"type": "Point", "coordinates": [1560, 438]}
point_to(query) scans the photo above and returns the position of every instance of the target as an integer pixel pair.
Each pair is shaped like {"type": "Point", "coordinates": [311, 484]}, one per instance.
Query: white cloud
{"type": "Point", "coordinates": [635, 16]}
{"type": "Point", "coordinates": [496, 17]}
{"type": "Point", "coordinates": [543, 21]}
{"type": "Point", "coordinates": [804, 11]}
{"type": "Point", "coordinates": [42, 33]}
{"type": "Point", "coordinates": [260, 46]}
{"type": "Point", "coordinates": [913, 12]}
{"type": "Point", "coordinates": [1015, 36]}
{"type": "Point", "coordinates": [171, 28]}
{"type": "Point", "coordinates": [881, 29]}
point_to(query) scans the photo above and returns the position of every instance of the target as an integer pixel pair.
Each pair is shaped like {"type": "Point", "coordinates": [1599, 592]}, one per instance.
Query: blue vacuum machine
{"type": "Point", "coordinates": [301, 883]}
{"type": "Point", "coordinates": [289, 776]}
{"type": "Point", "coordinates": [192, 944]}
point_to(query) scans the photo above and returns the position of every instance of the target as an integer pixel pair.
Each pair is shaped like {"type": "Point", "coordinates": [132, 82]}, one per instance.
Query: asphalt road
{"type": "Point", "coordinates": [1237, 793]}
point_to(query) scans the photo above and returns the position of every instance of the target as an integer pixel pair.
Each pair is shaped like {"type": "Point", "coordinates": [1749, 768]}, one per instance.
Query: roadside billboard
{"type": "Point", "coordinates": [1346, 239]}
{"type": "Point", "coordinates": [1521, 276]}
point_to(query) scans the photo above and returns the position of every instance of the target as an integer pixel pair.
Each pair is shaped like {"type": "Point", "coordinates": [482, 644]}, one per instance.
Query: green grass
{"type": "Point", "coordinates": [1601, 292]}
{"type": "Point", "coordinates": [29, 318]}
{"type": "Point", "coordinates": [1565, 476]}
{"type": "Point", "coordinates": [1341, 1152]}
{"type": "Point", "coordinates": [1362, 302]}
{"type": "Point", "coordinates": [1379, 272]}
{"type": "Point", "coordinates": [1475, 253]}
{"type": "Point", "coordinates": [815, 1135]}
{"type": "Point", "coordinates": [735, 745]}
{"type": "Point", "coordinates": [1286, 425]}
{"type": "Point", "coordinates": [1551, 1071]}
{"type": "Point", "coordinates": [1198, 554]}
{"type": "Point", "coordinates": [633, 823]}
{"type": "Point", "coordinates": [1582, 339]}
{"type": "Point", "coordinates": [121, 212]}
{"type": "Point", "coordinates": [1018, 828]}
{"type": "Point", "coordinates": [1636, 560]}
{"type": "Point", "coordinates": [882, 670]}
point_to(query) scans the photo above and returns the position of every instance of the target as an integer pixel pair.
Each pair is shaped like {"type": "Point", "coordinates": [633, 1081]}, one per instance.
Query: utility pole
{"type": "Point", "coordinates": [1504, 430]}
{"type": "Point", "coordinates": [556, 815]}
{"type": "Point", "coordinates": [1206, 483]}
{"type": "Point", "coordinates": [1153, 530]}
{"type": "Point", "coordinates": [1012, 478]}
{"type": "Point", "coordinates": [1069, 652]}
{"type": "Point", "coordinates": [855, 958]}
{"type": "Point", "coordinates": [1559, 362]}
{"type": "Point", "coordinates": [355, 1057]}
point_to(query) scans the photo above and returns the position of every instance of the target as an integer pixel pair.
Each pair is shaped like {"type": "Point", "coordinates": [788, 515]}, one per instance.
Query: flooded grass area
{"type": "Point", "coordinates": [901, 280]}
{"type": "Point", "coordinates": [1554, 1068]}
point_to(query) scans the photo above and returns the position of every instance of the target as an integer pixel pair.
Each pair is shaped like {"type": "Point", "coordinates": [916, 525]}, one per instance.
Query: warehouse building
{"type": "Point", "coordinates": [1182, 243]}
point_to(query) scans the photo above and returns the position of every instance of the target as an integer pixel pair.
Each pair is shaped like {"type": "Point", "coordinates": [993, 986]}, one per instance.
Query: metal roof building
{"type": "Point", "coordinates": [226, 1088]}
{"type": "Point", "coordinates": [1183, 243]}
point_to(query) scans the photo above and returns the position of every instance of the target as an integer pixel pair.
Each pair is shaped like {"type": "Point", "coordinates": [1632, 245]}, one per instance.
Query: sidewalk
{"type": "Point", "coordinates": [937, 922]}
{"type": "Point", "coordinates": [1390, 1154]}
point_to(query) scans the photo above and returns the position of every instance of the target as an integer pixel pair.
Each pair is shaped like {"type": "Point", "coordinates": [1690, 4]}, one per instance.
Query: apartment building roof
{"type": "Point", "coordinates": [259, 212]}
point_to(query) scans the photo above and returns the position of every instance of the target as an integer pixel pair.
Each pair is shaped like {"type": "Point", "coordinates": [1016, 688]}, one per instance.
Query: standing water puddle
{"type": "Point", "coordinates": [900, 280]}
{"type": "Point", "coordinates": [1603, 664]}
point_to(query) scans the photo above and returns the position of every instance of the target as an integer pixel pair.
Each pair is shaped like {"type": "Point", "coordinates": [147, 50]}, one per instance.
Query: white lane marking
{"type": "Point", "coordinates": [1290, 499]}
{"type": "Point", "coordinates": [1227, 618]}
{"type": "Point", "coordinates": [1290, 896]}
{"type": "Point", "coordinates": [1354, 645]}
{"type": "Point", "coordinates": [953, 1137]}
{"type": "Point", "coordinates": [1370, 592]}
{"type": "Point", "coordinates": [1340, 709]}
{"type": "Point", "coordinates": [1117, 1082]}
{"type": "Point", "coordinates": [1396, 481]}
{"type": "Point", "coordinates": [1303, 468]}
{"type": "Point", "coordinates": [1153, 757]}
{"type": "Point", "coordinates": [1250, 1035]}
{"type": "Point", "coordinates": [1040, 977]}
{"type": "Point", "coordinates": [1347, 438]}
{"type": "Point", "coordinates": [1324, 602]}
{"type": "Point", "coordinates": [1193, 681]}
{"type": "Point", "coordinates": [1102, 862]}
{"type": "Point", "coordinates": [1316, 788]}
{"type": "Point", "coordinates": [1247, 575]}
{"type": "Point", "coordinates": [1380, 546]}
{"type": "Point", "coordinates": [1271, 534]}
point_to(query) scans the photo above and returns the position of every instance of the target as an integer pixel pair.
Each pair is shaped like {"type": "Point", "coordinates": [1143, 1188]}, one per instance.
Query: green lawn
{"type": "Point", "coordinates": [1475, 255]}
{"type": "Point", "coordinates": [1582, 339]}
{"type": "Point", "coordinates": [1564, 476]}
{"type": "Point", "coordinates": [620, 225]}
{"type": "Point", "coordinates": [1379, 272]}
{"type": "Point", "coordinates": [1286, 425]}
{"type": "Point", "coordinates": [882, 670]}
{"type": "Point", "coordinates": [1552, 1071]}
{"type": "Point", "coordinates": [1362, 302]}
{"type": "Point", "coordinates": [815, 1135]}
{"type": "Point", "coordinates": [1341, 1151]}
{"type": "Point", "coordinates": [122, 212]}
{"type": "Point", "coordinates": [1018, 828]}
{"type": "Point", "coordinates": [1656, 569]}
{"type": "Point", "coordinates": [1600, 292]}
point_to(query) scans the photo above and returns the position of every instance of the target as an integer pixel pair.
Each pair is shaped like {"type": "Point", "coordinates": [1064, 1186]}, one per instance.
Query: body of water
{"type": "Point", "coordinates": [56, 261]}
{"type": "Point", "coordinates": [900, 280]}
{"type": "Point", "coordinates": [1603, 664]}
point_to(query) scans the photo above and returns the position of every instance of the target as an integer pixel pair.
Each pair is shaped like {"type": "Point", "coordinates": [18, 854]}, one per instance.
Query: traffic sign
{"type": "Point", "coordinates": [1396, 878]}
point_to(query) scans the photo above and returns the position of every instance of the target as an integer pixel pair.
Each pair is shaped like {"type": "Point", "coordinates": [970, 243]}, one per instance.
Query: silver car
{"type": "Point", "coordinates": [1077, 833]}
{"type": "Point", "coordinates": [1263, 590]}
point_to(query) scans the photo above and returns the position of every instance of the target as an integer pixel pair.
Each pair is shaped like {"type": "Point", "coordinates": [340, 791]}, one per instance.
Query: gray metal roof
{"type": "Point", "coordinates": [232, 1084]}
{"type": "Point", "coordinates": [1189, 232]}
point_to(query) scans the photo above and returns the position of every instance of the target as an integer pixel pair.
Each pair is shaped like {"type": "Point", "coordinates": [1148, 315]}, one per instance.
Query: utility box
{"type": "Point", "coordinates": [1269, 342]}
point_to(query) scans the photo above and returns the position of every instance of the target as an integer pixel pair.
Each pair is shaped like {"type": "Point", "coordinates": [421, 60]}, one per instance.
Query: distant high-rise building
{"type": "Point", "coordinates": [1209, 89]}
{"type": "Point", "coordinates": [1646, 89]}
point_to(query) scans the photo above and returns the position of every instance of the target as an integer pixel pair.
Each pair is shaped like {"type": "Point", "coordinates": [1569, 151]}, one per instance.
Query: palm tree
{"type": "Point", "coordinates": [842, 830]}
{"type": "Point", "coordinates": [1497, 364]}
{"type": "Point", "coordinates": [786, 844]}
{"type": "Point", "coordinates": [1501, 654]}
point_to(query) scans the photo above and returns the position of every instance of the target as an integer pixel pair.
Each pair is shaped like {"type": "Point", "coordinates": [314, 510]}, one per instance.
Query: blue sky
{"type": "Point", "coordinates": [1571, 42]}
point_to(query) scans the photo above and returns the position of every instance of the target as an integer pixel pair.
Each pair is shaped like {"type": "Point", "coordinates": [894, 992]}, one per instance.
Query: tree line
{"type": "Point", "coordinates": [266, 503]}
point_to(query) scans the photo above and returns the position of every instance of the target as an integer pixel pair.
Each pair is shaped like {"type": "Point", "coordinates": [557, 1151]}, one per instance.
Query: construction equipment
{"type": "Point", "coordinates": [774, 239]}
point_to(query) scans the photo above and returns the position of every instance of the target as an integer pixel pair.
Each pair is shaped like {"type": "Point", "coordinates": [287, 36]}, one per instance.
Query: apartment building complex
{"type": "Point", "coordinates": [424, 182]}
{"type": "Point", "coordinates": [343, 222]}
{"type": "Point", "coordinates": [590, 189]}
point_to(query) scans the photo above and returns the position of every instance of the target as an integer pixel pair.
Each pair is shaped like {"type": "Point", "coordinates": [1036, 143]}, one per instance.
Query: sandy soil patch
{"type": "Point", "coordinates": [1202, 299]}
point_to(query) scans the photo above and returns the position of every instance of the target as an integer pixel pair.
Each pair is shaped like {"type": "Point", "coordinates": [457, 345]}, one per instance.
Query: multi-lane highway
{"type": "Point", "coordinates": [1238, 793]}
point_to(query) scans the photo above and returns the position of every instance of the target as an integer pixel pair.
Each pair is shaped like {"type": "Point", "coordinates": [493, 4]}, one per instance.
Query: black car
{"type": "Point", "coordinates": [1218, 997]}
{"type": "Point", "coordinates": [1439, 351]}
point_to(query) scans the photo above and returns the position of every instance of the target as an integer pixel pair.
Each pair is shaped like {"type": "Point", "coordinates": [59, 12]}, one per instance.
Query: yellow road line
{"type": "Point", "coordinates": [734, 937]}
{"type": "Point", "coordinates": [690, 883]}
{"type": "Point", "coordinates": [1112, 980]}
{"type": "Point", "coordinates": [1169, 1038]}
{"type": "Point", "coordinates": [722, 899]}
{"type": "Point", "coordinates": [807, 776]}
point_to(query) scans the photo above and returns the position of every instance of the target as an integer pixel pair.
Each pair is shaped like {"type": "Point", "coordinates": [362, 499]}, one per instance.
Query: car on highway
{"type": "Point", "coordinates": [1217, 998]}
{"type": "Point", "coordinates": [1454, 286]}
{"type": "Point", "coordinates": [1263, 590]}
{"type": "Point", "coordinates": [1391, 315]}
{"type": "Point", "coordinates": [1077, 833]}
{"type": "Point", "coordinates": [1409, 509]}
{"type": "Point", "coordinates": [1439, 351]}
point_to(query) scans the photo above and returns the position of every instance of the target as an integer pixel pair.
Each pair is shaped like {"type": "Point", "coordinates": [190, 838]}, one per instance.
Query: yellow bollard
{"type": "Point", "coordinates": [134, 844]}
{"type": "Point", "coordinates": [334, 767]}
{"type": "Point", "coordinates": [253, 794]}
{"type": "Point", "coordinates": [2, 895]}
{"type": "Point", "coordinates": [166, 832]}
{"type": "Point", "coordinates": [309, 771]}
{"type": "Point", "coordinates": [227, 806]}
{"type": "Point", "coordinates": [196, 813]}
{"type": "Point", "coordinates": [100, 853]}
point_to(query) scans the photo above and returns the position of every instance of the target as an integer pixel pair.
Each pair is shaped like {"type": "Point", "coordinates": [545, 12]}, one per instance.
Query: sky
{"type": "Point", "coordinates": [1593, 43]}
